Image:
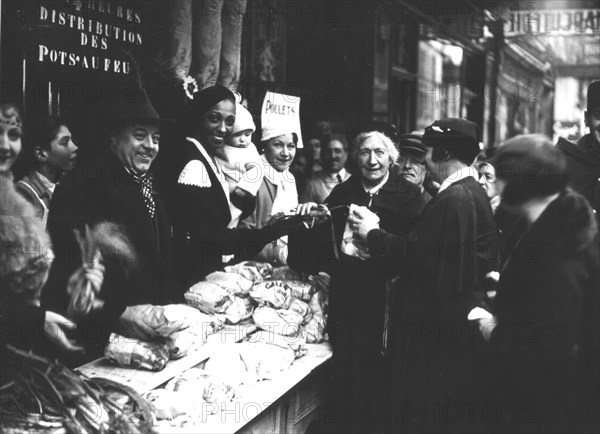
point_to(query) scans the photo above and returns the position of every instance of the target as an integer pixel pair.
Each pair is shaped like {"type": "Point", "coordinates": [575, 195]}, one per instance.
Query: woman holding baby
{"type": "Point", "coordinates": [218, 174]}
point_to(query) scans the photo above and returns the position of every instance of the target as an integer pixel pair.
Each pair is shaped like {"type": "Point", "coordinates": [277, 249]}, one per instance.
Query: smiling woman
{"type": "Point", "coordinates": [277, 192]}
{"type": "Point", "coordinates": [200, 201]}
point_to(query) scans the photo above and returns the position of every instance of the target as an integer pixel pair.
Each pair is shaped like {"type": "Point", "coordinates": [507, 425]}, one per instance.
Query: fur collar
{"type": "Point", "coordinates": [568, 224]}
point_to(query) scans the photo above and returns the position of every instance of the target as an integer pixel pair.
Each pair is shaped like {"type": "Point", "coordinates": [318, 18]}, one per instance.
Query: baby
{"type": "Point", "coordinates": [241, 165]}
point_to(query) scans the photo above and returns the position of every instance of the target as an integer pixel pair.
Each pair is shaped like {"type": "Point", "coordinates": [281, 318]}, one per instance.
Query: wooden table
{"type": "Point", "coordinates": [142, 380]}
{"type": "Point", "coordinates": [284, 404]}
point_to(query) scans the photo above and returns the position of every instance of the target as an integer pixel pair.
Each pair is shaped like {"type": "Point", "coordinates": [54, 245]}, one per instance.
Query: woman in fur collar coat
{"type": "Point", "coordinates": [548, 299]}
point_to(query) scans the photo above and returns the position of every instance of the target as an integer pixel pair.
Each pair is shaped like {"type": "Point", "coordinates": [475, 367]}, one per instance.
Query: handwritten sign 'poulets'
{"type": "Point", "coordinates": [280, 114]}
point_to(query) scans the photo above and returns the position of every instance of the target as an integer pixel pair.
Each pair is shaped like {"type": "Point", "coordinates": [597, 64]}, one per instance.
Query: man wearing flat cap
{"type": "Point", "coordinates": [117, 187]}
{"type": "Point", "coordinates": [412, 161]}
{"type": "Point", "coordinates": [583, 158]}
{"type": "Point", "coordinates": [442, 265]}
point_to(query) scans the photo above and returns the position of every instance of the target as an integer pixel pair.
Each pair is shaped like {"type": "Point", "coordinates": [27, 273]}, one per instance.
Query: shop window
{"type": "Point", "coordinates": [440, 92]}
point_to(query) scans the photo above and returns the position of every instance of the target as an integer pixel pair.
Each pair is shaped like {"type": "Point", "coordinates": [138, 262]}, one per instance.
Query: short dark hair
{"type": "Point", "coordinates": [202, 102]}
{"type": "Point", "coordinates": [531, 166]}
{"type": "Point", "coordinates": [43, 131]}
{"type": "Point", "coordinates": [336, 137]}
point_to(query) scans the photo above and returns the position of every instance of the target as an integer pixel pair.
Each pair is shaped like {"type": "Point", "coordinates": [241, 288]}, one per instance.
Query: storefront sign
{"type": "Point", "coordinates": [281, 112]}
{"type": "Point", "coordinates": [94, 35]}
{"type": "Point", "coordinates": [559, 22]}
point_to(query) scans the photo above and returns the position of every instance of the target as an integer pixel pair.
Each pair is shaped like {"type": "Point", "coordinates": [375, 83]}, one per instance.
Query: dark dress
{"type": "Point", "coordinates": [442, 263]}
{"type": "Point", "coordinates": [200, 215]}
{"type": "Point", "coordinates": [548, 322]}
{"type": "Point", "coordinates": [358, 304]}
{"type": "Point", "coordinates": [97, 192]}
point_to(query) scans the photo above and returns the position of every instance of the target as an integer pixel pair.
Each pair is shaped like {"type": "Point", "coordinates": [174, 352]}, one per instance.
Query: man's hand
{"type": "Point", "coordinates": [132, 322]}
{"type": "Point", "coordinates": [55, 327]}
{"type": "Point", "coordinates": [362, 221]}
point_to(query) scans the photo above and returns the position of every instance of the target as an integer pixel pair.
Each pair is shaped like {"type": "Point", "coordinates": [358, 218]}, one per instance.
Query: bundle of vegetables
{"type": "Point", "coordinates": [102, 244]}
{"type": "Point", "coordinates": [44, 396]}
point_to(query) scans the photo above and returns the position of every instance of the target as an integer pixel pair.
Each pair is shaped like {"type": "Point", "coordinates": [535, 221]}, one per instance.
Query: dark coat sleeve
{"type": "Point", "coordinates": [202, 237]}
{"type": "Point", "coordinates": [71, 208]}
{"type": "Point", "coordinates": [441, 252]}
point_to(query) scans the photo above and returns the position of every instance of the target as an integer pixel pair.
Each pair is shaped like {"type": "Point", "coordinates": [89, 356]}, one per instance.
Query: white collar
{"type": "Point", "coordinates": [47, 183]}
{"type": "Point", "coordinates": [462, 173]}
{"type": "Point", "coordinates": [373, 190]}
{"type": "Point", "coordinates": [334, 176]}
{"type": "Point", "coordinates": [208, 158]}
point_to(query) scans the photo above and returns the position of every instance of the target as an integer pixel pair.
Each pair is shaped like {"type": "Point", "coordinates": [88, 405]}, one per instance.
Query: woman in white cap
{"type": "Point", "coordinates": [278, 192]}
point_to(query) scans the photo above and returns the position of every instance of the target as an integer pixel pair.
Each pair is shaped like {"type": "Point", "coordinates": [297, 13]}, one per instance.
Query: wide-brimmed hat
{"type": "Point", "coordinates": [134, 105]}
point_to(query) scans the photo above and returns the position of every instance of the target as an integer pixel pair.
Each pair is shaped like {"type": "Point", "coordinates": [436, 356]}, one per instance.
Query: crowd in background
{"type": "Point", "coordinates": [464, 279]}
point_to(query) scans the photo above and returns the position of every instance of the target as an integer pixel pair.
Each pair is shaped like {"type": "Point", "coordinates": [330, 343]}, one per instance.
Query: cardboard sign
{"type": "Point", "coordinates": [280, 114]}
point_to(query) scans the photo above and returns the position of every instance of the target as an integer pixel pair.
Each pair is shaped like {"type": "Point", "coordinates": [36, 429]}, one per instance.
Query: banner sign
{"type": "Point", "coordinates": [281, 114]}
{"type": "Point", "coordinates": [84, 35]}
{"type": "Point", "coordinates": [553, 22]}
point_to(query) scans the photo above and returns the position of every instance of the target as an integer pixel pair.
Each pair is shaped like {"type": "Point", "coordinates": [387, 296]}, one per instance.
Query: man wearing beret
{"type": "Point", "coordinates": [583, 158]}
{"type": "Point", "coordinates": [412, 161]}
{"type": "Point", "coordinates": [442, 265]}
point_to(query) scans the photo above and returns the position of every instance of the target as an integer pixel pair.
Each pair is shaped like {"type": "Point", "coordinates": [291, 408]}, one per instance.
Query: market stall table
{"type": "Point", "coordinates": [284, 404]}
{"type": "Point", "coordinates": [142, 380]}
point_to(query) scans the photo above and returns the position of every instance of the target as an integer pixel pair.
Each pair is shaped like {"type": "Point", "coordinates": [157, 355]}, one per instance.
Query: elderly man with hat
{"type": "Point", "coordinates": [583, 158]}
{"type": "Point", "coordinates": [442, 265]}
{"type": "Point", "coordinates": [411, 163]}
{"type": "Point", "coordinates": [117, 187]}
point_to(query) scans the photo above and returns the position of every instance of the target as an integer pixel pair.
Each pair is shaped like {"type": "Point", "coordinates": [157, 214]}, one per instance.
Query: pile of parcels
{"type": "Point", "coordinates": [289, 310]}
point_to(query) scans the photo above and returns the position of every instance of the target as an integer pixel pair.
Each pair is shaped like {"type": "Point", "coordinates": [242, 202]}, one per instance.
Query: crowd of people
{"type": "Point", "coordinates": [464, 283]}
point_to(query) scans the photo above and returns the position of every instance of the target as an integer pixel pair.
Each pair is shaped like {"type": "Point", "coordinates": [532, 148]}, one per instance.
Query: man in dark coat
{"type": "Point", "coordinates": [442, 265]}
{"type": "Point", "coordinates": [116, 188]}
{"type": "Point", "coordinates": [583, 158]}
{"type": "Point", "coordinates": [547, 307]}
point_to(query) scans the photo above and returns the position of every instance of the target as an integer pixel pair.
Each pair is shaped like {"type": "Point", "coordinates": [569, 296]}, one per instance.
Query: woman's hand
{"type": "Point", "coordinates": [362, 221]}
{"type": "Point", "coordinates": [55, 328]}
{"type": "Point", "coordinates": [305, 208]}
